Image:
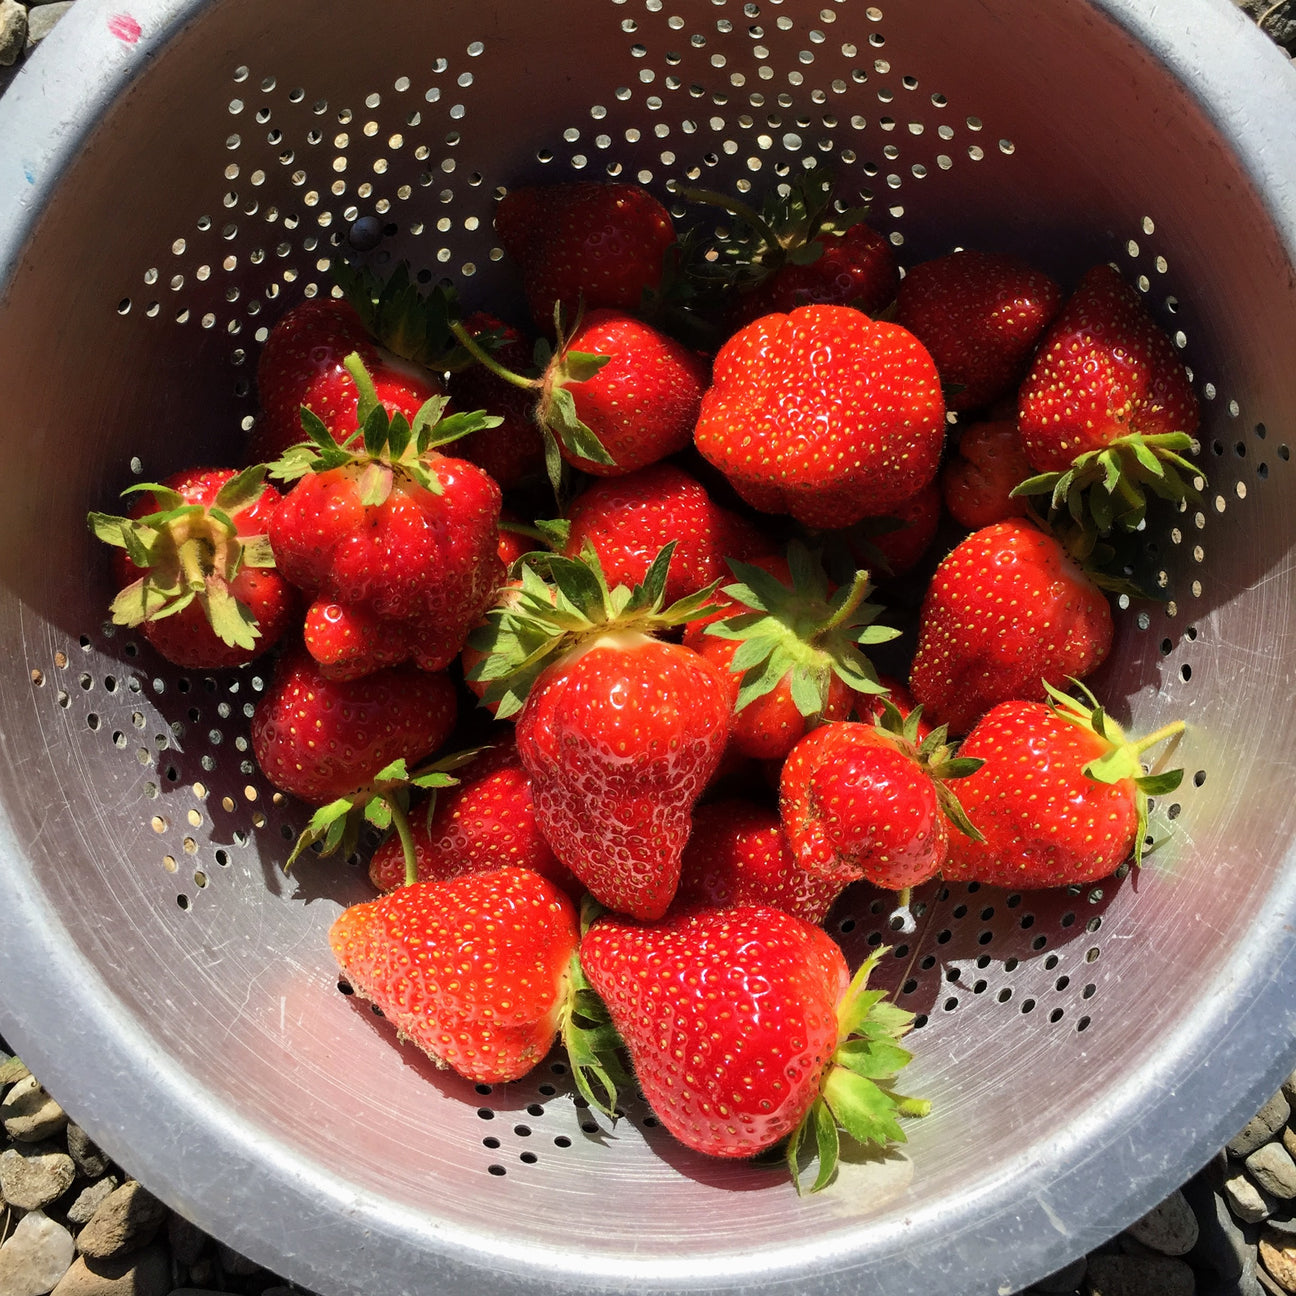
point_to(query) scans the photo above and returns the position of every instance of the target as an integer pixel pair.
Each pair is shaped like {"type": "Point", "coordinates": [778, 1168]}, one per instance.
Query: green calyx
{"type": "Point", "coordinates": [592, 1043]}
{"type": "Point", "coordinates": [383, 446]}
{"type": "Point", "coordinates": [383, 803]}
{"type": "Point", "coordinates": [1107, 490]}
{"type": "Point", "coordinates": [858, 1091]}
{"type": "Point", "coordinates": [937, 756]}
{"type": "Point", "coordinates": [189, 552]}
{"type": "Point", "coordinates": [804, 632]}
{"type": "Point", "coordinates": [1124, 756]}
{"type": "Point", "coordinates": [545, 616]}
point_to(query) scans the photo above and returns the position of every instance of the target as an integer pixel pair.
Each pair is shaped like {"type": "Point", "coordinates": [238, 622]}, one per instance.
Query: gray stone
{"type": "Point", "coordinates": [29, 1114]}
{"type": "Point", "coordinates": [187, 1241]}
{"type": "Point", "coordinates": [127, 1219]}
{"type": "Point", "coordinates": [1263, 1126]}
{"type": "Point", "coordinates": [35, 1255]}
{"type": "Point", "coordinates": [1169, 1228]}
{"type": "Point", "coordinates": [234, 1263]}
{"type": "Point", "coordinates": [145, 1273]}
{"type": "Point", "coordinates": [90, 1161]}
{"type": "Point", "coordinates": [43, 19]}
{"type": "Point", "coordinates": [1245, 1199]}
{"type": "Point", "coordinates": [1064, 1280]}
{"type": "Point", "coordinates": [1274, 1170]}
{"type": "Point", "coordinates": [13, 32]}
{"type": "Point", "coordinates": [1223, 1244]}
{"type": "Point", "coordinates": [34, 1176]}
{"type": "Point", "coordinates": [1127, 1275]}
{"type": "Point", "coordinates": [1283, 1223]}
{"type": "Point", "coordinates": [88, 1199]}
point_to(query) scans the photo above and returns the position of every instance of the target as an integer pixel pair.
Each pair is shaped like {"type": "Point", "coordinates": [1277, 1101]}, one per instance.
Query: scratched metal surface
{"type": "Point", "coordinates": [170, 178]}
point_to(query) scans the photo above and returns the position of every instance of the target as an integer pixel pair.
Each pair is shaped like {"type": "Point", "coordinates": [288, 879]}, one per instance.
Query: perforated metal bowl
{"type": "Point", "coordinates": [172, 177]}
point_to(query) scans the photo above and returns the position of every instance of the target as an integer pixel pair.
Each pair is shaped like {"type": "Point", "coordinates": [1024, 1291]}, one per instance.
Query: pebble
{"type": "Point", "coordinates": [1278, 1255]}
{"type": "Point", "coordinates": [1245, 1200]}
{"type": "Point", "coordinates": [35, 1176]}
{"type": "Point", "coordinates": [90, 1161]}
{"type": "Point", "coordinates": [1263, 1126]}
{"type": "Point", "coordinates": [1127, 1275]}
{"type": "Point", "coordinates": [125, 1220]}
{"type": "Point", "coordinates": [42, 19]}
{"type": "Point", "coordinates": [35, 1255]}
{"type": "Point", "coordinates": [29, 1114]}
{"type": "Point", "coordinates": [144, 1273]}
{"type": "Point", "coordinates": [88, 1199]}
{"type": "Point", "coordinates": [1274, 1170]}
{"type": "Point", "coordinates": [1170, 1228]}
{"type": "Point", "coordinates": [13, 32]}
{"type": "Point", "coordinates": [1223, 1245]}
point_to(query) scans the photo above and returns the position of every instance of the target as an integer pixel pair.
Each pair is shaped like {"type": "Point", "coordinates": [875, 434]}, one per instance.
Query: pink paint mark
{"type": "Point", "coordinates": [124, 27]}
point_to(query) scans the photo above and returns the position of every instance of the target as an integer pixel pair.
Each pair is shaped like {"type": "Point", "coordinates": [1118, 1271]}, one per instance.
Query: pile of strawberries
{"type": "Point", "coordinates": [643, 637]}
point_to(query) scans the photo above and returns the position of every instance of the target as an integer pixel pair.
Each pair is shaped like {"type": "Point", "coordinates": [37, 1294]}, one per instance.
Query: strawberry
{"type": "Point", "coordinates": [1007, 613]}
{"type": "Point", "coordinates": [321, 740]}
{"type": "Point", "coordinates": [896, 544]}
{"type": "Point", "coordinates": [745, 1027]}
{"type": "Point", "coordinates": [825, 414]}
{"type": "Point", "coordinates": [584, 244]}
{"type": "Point", "coordinates": [475, 971]}
{"type": "Point", "coordinates": [980, 314]}
{"type": "Point", "coordinates": [629, 519]}
{"type": "Point", "coordinates": [395, 543]}
{"type": "Point", "coordinates": [1107, 410]}
{"type": "Point", "coordinates": [800, 249]}
{"type": "Point", "coordinates": [619, 731]}
{"type": "Point", "coordinates": [1060, 797]}
{"type": "Point", "coordinates": [791, 649]}
{"type": "Point", "coordinates": [977, 482]}
{"type": "Point", "coordinates": [195, 572]}
{"type": "Point", "coordinates": [486, 822]}
{"type": "Point", "coordinates": [738, 855]}
{"type": "Point", "coordinates": [861, 801]}
{"type": "Point", "coordinates": [301, 364]}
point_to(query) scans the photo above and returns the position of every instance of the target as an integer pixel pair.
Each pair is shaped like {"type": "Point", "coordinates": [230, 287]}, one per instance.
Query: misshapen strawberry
{"type": "Point", "coordinates": [619, 731]}
{"type": "Point", "coordinates": [825, 414]}
{"type": "Point", "coordinates": [394, 543]}
{"type": "Point", "coordinates": [475, 971]}
{"type": "Point", "coordinates": [1007, 612]}
{"type": "Point", "coordinates": [1060, 797]}
{"type": "Point", "coordinates": [745, 1027]}
{"type": "Point", "coordinates": [194, 568]}
{"type": "Point", "coordinates": [978, 481]}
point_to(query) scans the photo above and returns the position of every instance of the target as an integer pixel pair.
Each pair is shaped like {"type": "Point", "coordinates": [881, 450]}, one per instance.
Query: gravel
{"type": "Point", "coordinates": [72, 1223]}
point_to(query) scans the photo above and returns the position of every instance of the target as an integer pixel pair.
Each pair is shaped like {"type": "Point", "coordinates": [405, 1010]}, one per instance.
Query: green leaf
{"type": "Point", "coordinates": [1159, 784]}
{"type": "Point", "coordinates": [560, 416]}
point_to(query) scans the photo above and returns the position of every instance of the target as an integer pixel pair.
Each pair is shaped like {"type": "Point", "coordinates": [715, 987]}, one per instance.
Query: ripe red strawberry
{"type": "Point", "coordinates": [977, 482]}
{"type": "Point", "coordinates": [744, 1027]}
{"type": "Point", "coordinates": [619, 731]}
{"type": "Point", "coordinates": [738, 855]}
{"type": "Point", "coordinates": [1107, 410]}
{"type": "Point", "coordinates": [628, 520]}
{"type": "Point", "coordinates": [485, 822]}
{"type": "Point", "coordinates": [980, 314]}
{"type": "Point", "coordinates": [824, 414]}
{"type": "Point", "coordinates": [194, 569]}
{"type": "Point", "coordinates": [1006, 613]}
{"type": "Point", "coordinates": [475, 971]}
{"type": "Point", "coordinates": [861, 801]}
{"type": "Point", "coordinates": [893, 545]}
{"type": "Point", "coordinates": [395, 544]}
{"type": "Point", "coordinates": [302, 364]}
{"type": "Point", "coordinates": [790, 647]}
{"type": "Point", "coordinates": [1060, 797]}
{"type": "Point", "coordinates": [321, 739]}
{"type": "Point", "coordinates": [582, 243]}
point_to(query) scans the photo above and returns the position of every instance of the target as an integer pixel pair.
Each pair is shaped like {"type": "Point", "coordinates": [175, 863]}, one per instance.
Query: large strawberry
{"type": "Point", "coordinates": [792, 648]}
{"type": "Point", "coordinates": [395, 543]}
{"type": "Point", "coordinates": [825, 414]}
{"type": "Point", "coordinates": [1007, 613]}
{"type": "Point", "coordinates": [476, 971]}
{"type": "Point", "coordinates": [1107, 411]}
{"type": "Point", "coordinates": [194, 569]}
{"type": "Point", "coordinates": [871, 801]}
{"type": "Point", "coordinates": [302, 364]}
{"type": "Point", "coordinates": [620, 731]}
{"type": "Point", "coordinates": [980, 314]}
{"type": "Point", "coordinates": [745, 1027]}
{"type": "Point", "coordinates": [1060, 797]}
{"type": "Point", "coordinates": [628, 520]}
{"type": "Point", "coordinates": [584, 243]}
{"type": "Point", "coordinates": [738, 855]}
{"type": "Point", "coordinates": [321, 739]}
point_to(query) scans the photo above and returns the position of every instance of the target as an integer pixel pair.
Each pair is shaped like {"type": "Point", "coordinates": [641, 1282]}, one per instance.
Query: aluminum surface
{"type": "Point", "coordinates": [173, 988]}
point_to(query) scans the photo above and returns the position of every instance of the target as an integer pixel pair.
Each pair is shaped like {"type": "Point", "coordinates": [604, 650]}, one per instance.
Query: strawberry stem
{"type": "Point", "coordinates": [400, 821]}
{"type": "Point", "coordinates": [1160, 735]}
{"type": "Point", "coordinates": [858, 593]}
{"type": "Point", "coordinates": [488, 361]}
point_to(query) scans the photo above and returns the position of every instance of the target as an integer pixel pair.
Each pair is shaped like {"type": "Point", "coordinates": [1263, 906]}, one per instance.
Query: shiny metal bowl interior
{"type": "Point", "coordinates": [171, 179]}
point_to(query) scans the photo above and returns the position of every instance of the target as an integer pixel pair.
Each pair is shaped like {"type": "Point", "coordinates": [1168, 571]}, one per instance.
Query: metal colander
{"type": "Point", "coordinates": [173, 175]}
